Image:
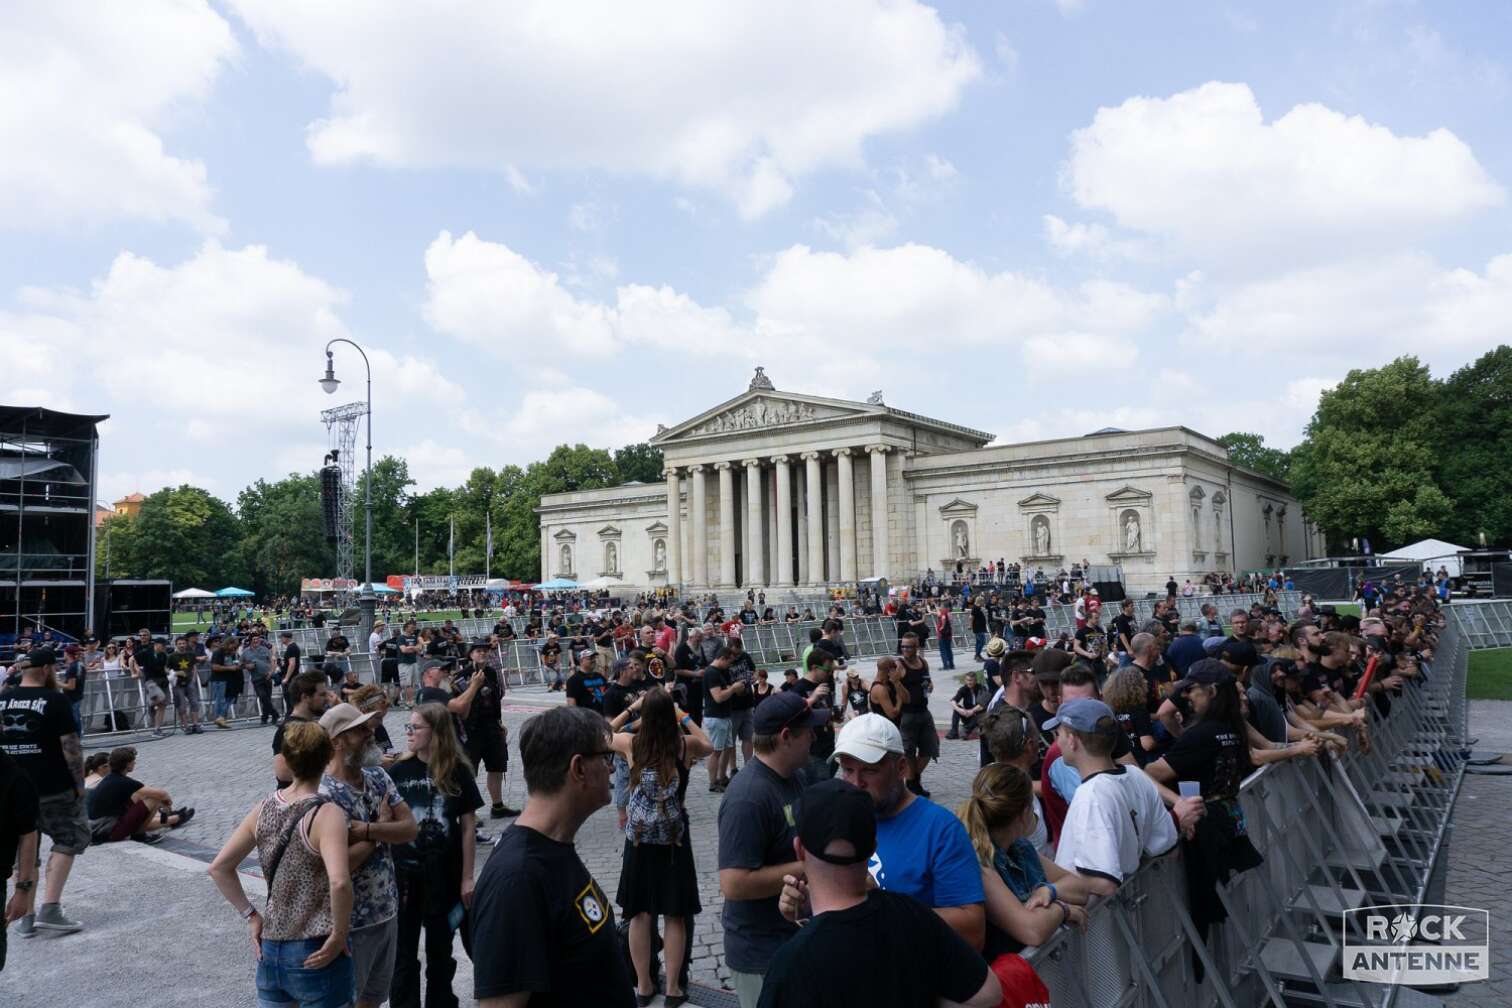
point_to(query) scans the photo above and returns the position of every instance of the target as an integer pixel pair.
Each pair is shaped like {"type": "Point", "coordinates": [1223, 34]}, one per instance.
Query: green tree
{"type": "Point", "coordinates": [639, 463]}
{"type": "Point", "coordinates": [393, 519]}
{"type": "Point", "coordinates": [1367, 464]}
{"type": "Point", "coordinates": [115, 547]}
{"type": "Point", "coordinates": [283, 536]}
{"type": "Point", "coordinates": [1250, 451]}
{"type": "Point", "coordinates": [1474, 437]}
{"type": "Point", "coordinates": [435, 511]}
{"type": "Point", "coordinates": [188, 536]}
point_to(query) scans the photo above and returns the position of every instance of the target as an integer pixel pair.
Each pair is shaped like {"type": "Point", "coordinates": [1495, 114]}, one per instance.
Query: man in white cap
{"type": "Point", "coordinates": [922, 851]}
{"type": "Point", "coordinates": [376, 817]}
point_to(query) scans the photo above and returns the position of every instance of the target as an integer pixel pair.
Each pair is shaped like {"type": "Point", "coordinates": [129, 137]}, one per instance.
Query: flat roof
{"type": "Point", "coordinates": [38, 420]}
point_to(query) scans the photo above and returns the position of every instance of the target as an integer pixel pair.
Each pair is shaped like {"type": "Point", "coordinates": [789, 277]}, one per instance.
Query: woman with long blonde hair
{"type": "Point", "coordinates": [435, 872]}
{"type": "Point", "coordinates": [1028, 895]}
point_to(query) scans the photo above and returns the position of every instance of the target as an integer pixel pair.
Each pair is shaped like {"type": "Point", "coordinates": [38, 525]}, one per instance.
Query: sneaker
{"type": "Point", "coordinates": [158, 733]}
{"type": "Point", "coordinates": [50, 918]}
{"type": "Point", "coordinates": [502, 811]}
{"type": "Point", "coordinates": [27, 926]}
{"type": "Point", "coordinates": [483, 838]}
{"type": "Point", "coordinates": [150, 839]}
{"type": "Point", "coordinates": [952, 735]}
{"type": "Point", "coordinates": [184, 814]}
{"type": "Point", "coordinates": [717, 787]}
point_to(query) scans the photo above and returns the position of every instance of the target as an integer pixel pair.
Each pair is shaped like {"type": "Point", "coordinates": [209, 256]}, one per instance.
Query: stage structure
{"type": "Point", "coordinates": [47, 505]}
{"type": "Point", "coordinates": [341, 426]}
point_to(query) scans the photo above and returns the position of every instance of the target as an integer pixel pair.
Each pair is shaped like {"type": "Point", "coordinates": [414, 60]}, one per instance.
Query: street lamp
{"type": "Point", "coordinates": [366, 600]}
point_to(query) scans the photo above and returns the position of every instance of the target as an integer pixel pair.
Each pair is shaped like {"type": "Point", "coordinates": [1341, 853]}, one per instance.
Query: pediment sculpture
{"type": "Point", "coordinates": [756, 414]}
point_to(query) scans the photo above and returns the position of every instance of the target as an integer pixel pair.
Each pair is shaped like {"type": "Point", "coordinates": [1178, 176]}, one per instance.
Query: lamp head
{"type": "Point", "coordinates": [330, 381]}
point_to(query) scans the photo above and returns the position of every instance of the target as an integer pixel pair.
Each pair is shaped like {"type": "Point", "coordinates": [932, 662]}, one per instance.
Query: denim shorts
{"type": "Point", "coordinates": [719, 732]}
{"type": "Point", "coordinates": [282, 979]}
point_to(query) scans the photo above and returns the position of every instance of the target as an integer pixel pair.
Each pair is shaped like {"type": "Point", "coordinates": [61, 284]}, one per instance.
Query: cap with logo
{"type": "Point", "coordinates": [1082, 714]}
{"type": "Point", "coordinates": [868, 738]}
{"type": "Point", "coordinates": [341, 717]}
{"type": "Point", "coordinates": [783, 710]}
{"type": "Point", "coordinates": [834, 810]}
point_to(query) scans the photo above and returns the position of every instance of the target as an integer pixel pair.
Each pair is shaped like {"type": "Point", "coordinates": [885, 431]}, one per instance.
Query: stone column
{"type": "Point", "coordinates": [784, 522]}
{"type": "Point", "coordinates": [813, 489]}
{"type": "Point", "coordinates": [801, 507]}
{"type": "Point", "coordinates": [726, 525]}
{"type": "Point", "coordinates": [831, 521]}
{"type": "Point", "coordinates": [755, 551]}
{"type": "Point", "coordinates": [878, 455]}
{"type": "Point", "coordinates": [699, 547]}
{"type": "Point", "coordinates": [674, 527]}
{"type": "Point", "coordinates": [847, 524]}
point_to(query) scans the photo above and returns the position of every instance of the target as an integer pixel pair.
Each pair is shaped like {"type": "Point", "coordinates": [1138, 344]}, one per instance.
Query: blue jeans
{"type": "Point", "coordinates": [283, 980]}
{"type": "Point", "coordinates": [78, 714]}
{"type": "Point", "coordinates": [981, 642]}
{"type": "Point", "coordinates": [947, 653]}
{"type": "Point", "coordinates": [218, 698]}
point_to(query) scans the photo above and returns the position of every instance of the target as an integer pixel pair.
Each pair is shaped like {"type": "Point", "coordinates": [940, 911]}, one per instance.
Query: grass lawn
{"type": "Point", "coordinates": [1490, 674]}
{"type": "Point", "coordinates": [185, 621]}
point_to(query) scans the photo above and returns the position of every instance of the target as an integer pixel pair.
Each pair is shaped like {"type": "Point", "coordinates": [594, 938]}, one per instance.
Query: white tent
{"type": "Point", "coordinates": [1433, 553]}
{"type": "Point", "coordinates": [602, 582]}
{"type": "Point", "coordinates": [193, 593]}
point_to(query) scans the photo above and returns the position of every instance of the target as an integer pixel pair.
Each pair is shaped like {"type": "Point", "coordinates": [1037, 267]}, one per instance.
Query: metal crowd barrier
{"type": "Point", "coordinates": [1485, 623]}
{"type": "Point", "coordinates": [1336, 833]}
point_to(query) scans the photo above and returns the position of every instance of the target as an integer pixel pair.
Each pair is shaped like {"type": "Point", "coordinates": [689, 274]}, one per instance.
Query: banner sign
{"type": "Point", "coordinates": [444, 582]}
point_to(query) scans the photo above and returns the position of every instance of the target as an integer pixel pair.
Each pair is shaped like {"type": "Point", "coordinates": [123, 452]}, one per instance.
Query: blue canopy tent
{"type": "Point", "coordinates": [557, 584]}
{"type": "Point", "coordinates": [378, 589]}
{"type": "Point", "coordinates": [234, 593]}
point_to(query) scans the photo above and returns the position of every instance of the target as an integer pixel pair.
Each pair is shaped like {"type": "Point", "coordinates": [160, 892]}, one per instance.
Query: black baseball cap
{"type": "Point", "coordinates": [781, 710]}
{"type": "Point", "coordinates": [1240, 652]}
{"type": "Point", "coordinates": [38, 657]}
{"type": "Point", "coordinates": [834, 810]}
{"type": "Point", "coordinates": [1204, 672]}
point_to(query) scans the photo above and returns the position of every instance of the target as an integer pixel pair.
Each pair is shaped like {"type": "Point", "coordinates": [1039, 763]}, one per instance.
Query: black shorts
{"type": "Point", "coordinates": [389, 671]}
{"type": "Point", "coordinates": [920, 737]}
{"type": "Point", "coordinates": [487, 749]}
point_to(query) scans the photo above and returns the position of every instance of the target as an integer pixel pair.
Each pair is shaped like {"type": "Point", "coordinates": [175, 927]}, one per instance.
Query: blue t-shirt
{"type": "Point", "coordinates": [924, 852]}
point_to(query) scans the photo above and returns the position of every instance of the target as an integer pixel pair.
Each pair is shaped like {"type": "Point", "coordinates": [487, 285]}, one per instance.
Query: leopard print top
{"type": "Point", "coordinates": [299, 903]}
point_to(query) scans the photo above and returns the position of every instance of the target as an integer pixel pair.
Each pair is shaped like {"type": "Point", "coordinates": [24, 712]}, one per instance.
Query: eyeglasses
{"type": "Point", "coordinates": [410, 729]}
{"type": "Point", "coordinates": [607, 755]}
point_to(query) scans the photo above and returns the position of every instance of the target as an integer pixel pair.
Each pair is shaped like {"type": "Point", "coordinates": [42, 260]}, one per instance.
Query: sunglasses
{"type": "Point", "coordinates": [607, 755]}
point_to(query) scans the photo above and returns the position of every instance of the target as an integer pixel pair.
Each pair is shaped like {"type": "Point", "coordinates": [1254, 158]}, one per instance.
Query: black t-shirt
{"type": "Point", "coordinates": [436, 812]}
{"type": "Point", "coordinates": [18, 811]}
{"type": "Point", "coordinates": [1040, 715]}
{"type": "Point", "coordinates": [337, 643]}
{"type": "Point", "coordinates": [913, 681]}
{"type": "Point", "coordinates": [823, 745]}
{"type": "Point", "coordinates": [408, 640]}
{"type": "Point", "coordinates": [757, 821]}
{"type": "Point", "coordinates": [1210, 753]}
{"type": "Point", "coordinates": [547, 927]}
{"type": "Point", "coordinates": [1125, 627]}
{"type": "Point", "coordinates": [1093, 639]}
{"type": "Point", "coordinates": [278, 733]}
{"type": "Point", "coordinates": [743, 669]}
{"type": "Point", "coordinates": [978, 619]}
{"type": "Point", "coordinates": [910, 957]}
{"type": "Point", "coordinates": [36, 720]}
{"type": "Point", "coordinates": [587, 690]}
{"type": "Point", "coordinates": [112, 796]}
{"type": "Point", "coordinates": [834, 648]}
{"type": "Point", "coordinates": [1136, 724]}
{"type": "Point", "coordinates": [433, 694]}
{"type": "Point", "coordinates": [74, 670]}
{"type": "Point", "coordinates": [488, 703]}
{"type": "Point", "coordinates": [291, 652]}
{"type": "Point", "coordinates": [153, 663]}
{"type": "Point", "coordinates": [1036, 625]}
{"type": "Point", "coordinates": [225, 656]}
{"type": "Point", "coordinates": [968, 697]}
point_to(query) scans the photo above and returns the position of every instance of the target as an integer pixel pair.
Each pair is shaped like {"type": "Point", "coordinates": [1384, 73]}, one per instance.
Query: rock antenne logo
{"type": "Point", "coordinates": [1416, 944]}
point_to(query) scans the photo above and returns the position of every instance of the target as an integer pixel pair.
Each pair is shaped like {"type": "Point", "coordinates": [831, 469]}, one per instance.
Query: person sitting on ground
{"type": "Point", "coordinates": [967, 707]}
{"type": "Point", "coordinates": [1029, 896]}
{"type": "Point", "coordinates": [122, 808]}
{"type": "Point", "coordinates": [96, 766]}
{"type": "Point", "coordinates": [911, 956]}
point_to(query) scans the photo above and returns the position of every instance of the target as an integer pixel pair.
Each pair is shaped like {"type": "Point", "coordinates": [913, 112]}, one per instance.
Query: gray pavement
{"type": "Point", "coordinates": [135, 899]}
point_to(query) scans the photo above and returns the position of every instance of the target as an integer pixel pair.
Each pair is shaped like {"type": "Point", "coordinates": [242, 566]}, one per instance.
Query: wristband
{"type": "Point", "coordinates": [1065, 912]}
{"type": "Point", "coordinates": [685, 719]}
{"type": "Point", "coordinates": [1054, 892]}
{"type": "Point", "coordinates": [249, 913]}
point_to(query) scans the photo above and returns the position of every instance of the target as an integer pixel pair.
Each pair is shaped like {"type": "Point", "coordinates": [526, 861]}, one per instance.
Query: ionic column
{"type": "Point", "coordinates": [801, 530]}
{"type": "Point", "coordinates": [755, 551]}
{"type": "Point", "coordinates": [726, 524]}
{"type": "Point", "coordinates": [697, 502]}
{"type": "Point", "coordinates": [847, 522]}
{"type": "Point", "coordinates": [814, 489]}
{"type": "Point", "coordinates": [674, 527]}
{"type": "Point", "coordinates": [878, 455]}
{"type": "Point", "coordinates": [784, 522]}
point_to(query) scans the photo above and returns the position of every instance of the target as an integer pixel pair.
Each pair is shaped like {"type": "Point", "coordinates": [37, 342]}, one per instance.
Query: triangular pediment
{"type": "Point", "coordinates": [565, 535]}
{"type": "Point", "coordinates": [1039, 500]}
{"type": "Point", "coordinates": [1128, 495]}
{"type": "Point", "coordinates": [657, 528]}
{"type": "Point", "coordinates": [760, 409]}
{"type": "Point", "coordinates": [609, 532]}
{"type": "Point", "coordinates": [959, 507]}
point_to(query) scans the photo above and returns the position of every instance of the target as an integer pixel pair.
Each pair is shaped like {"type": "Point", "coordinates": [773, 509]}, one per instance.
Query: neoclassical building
{"type": "Point", "coordinates": [777, 489]}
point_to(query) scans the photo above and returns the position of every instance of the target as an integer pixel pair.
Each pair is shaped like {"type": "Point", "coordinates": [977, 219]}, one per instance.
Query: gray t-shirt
{"type": "Point", "coordinates": [757, 821]}
{"type": "Point", "coordinates": [1266, 714]}
{"type": "Point", "coordinates": [260, 659]}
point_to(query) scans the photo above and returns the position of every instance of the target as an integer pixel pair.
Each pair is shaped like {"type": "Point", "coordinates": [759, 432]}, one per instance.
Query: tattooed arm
{"type": "Point", "coordinates": [73, 755]}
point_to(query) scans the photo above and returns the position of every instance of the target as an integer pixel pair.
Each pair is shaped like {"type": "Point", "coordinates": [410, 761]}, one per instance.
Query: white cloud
{"type": "Point", "coordinates": [866, 225]}
{"type": "Point", "coordinates": [1091, 240]}
{"type": "Point", "coordinates": [742, 98]}
{"type": "Point", "coordinates": [1203, 170]}
{"type": "Point", "coordinates": [85, 91]}
{"type": "Point", "coordinates": [547, 417]}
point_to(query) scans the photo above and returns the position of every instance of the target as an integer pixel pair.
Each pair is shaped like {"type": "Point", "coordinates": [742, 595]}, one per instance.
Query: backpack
{"type": "Point", "coordinates": [653, 813]}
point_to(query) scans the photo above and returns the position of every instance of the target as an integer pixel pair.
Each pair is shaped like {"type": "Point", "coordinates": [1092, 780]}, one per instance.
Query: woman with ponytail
{"type": "Point", "coordinates": [1028, 896]}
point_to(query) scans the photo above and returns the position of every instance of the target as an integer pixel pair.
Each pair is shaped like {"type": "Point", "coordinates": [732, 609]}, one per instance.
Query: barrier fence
{"type": "Point", "coordinates": [1336, 833]}
{"type": "Point", "coordinates": [1485, 623]}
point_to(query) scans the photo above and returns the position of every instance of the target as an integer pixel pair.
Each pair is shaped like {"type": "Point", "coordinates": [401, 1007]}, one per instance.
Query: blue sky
{"type": "Point", "coordinates": [573, 221]}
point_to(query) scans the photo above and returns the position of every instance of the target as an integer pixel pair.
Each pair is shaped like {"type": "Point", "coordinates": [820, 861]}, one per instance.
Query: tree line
{"type": "Point", "coordinates": [1395, 455]}
{"type": "Point", "coordinates": [273, 535]}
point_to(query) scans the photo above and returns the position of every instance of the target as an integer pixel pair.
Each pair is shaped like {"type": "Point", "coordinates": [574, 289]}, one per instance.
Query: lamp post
{"type": "Point", "coordinates": [366, 601]}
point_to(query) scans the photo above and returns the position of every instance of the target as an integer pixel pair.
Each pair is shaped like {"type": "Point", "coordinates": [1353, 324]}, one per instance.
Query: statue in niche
{"type": "Point", "coordinates": [1131, 532]}
{"type": "Point", "coordinates": [611, 557]}
{"type": "Point", "coordinates": [958, 538]}
{"type": "Point", "coordinates": [1041, 536]}
{"type": "Point", "coordinates": [660, 554]}
{"type": "Point", "coordinates": [566, 559]}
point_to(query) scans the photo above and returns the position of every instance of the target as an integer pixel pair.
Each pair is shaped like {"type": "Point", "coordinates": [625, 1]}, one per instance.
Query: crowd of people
{"type": "Point", "coordinates": [1113, 743]}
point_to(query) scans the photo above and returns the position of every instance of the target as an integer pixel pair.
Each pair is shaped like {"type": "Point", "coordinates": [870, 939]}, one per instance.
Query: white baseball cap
{"type": "Point", "coordinates": [868, 738]}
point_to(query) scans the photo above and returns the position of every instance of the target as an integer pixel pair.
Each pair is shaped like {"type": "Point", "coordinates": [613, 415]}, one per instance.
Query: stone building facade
{"type": "Point", "coordinates": [777, 489]}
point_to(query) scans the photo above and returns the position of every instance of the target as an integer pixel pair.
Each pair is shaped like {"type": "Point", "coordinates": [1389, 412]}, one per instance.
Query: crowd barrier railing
{"type": "Point", "coordinates": [1485, 623]}
{"type": "Point", "coordinates": [1338, 832]}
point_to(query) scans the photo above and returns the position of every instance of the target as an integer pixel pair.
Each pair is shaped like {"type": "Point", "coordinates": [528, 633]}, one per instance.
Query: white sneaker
{"type": "Point", "coordinates": [50, 918]}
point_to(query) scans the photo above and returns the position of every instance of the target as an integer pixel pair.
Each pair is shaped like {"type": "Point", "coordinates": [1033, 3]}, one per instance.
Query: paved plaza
{"type": "Point", "coordinates": [157, 932]}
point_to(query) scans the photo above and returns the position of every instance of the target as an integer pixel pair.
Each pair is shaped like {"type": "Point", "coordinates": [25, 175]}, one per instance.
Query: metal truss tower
{"type": "Point", "coordinates": [341, 426]}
